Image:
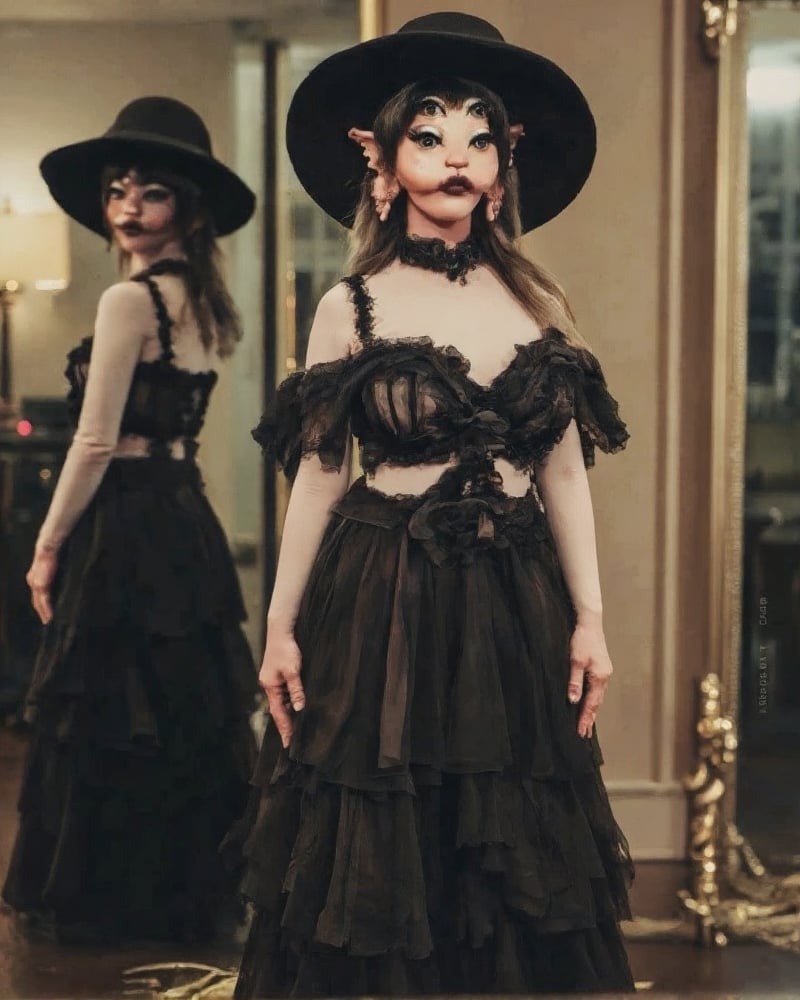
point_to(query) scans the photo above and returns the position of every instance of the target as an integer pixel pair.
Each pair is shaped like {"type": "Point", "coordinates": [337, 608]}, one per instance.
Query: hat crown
{"type": "Point", "coordinates": [165, 118]}
{"type": "Point", "coordinates": [453, 23]}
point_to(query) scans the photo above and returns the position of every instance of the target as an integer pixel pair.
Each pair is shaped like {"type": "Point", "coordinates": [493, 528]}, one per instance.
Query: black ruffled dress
{"type": "Point", "coordinates": [141, 747]}
{"type": "Point", "coordinates": [437, 825]}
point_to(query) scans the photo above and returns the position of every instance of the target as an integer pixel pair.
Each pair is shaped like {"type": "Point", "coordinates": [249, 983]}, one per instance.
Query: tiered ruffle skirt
{"type": "Point", "coordinates": [437, 825]}
{"type": "Point", "coordinates": [141, 747]}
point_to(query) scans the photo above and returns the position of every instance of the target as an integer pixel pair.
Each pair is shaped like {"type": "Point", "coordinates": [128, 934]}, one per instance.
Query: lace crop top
{"type": "Point", "coordinates": [164, 403]}
{"type": "Point", "coordinates": [409, 402]}
{"type": "Point", "coordinates": [154, 400]}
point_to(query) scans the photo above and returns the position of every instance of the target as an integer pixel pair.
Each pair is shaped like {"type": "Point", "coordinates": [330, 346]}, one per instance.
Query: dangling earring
{"type": "Point", "coordinates": [493, 206]}
{"type": "Point", "coordinates": [384, 192]}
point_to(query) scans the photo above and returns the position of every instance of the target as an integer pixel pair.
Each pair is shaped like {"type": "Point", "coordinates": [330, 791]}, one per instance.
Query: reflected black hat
{"type": "Point", "coordinates": [148, 131]}
{"type": "Point", "coordinates": [553, 159]}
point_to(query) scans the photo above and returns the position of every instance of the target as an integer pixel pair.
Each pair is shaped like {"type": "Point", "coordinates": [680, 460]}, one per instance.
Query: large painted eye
{"type": "Point", "coordinates": [157, 193]}
{"type": "Point", "coordinates": [425, 140]}
{"type": "Point", "coordinates": [115, 192]}
{"type": "Point", "coordinates": [483, 140]}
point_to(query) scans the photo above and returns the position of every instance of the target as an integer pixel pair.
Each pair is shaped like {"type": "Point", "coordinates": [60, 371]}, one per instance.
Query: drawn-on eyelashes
{"type": "Point", "coordinates": [428, 139]}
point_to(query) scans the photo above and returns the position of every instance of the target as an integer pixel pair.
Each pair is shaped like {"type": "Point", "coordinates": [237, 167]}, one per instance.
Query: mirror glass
{"type": "Point", "coordinates": [240, 75]}
{"type": "Point", "coordinates": [768, 801]}
{"type": "Point", "coordinates": [237, 62]}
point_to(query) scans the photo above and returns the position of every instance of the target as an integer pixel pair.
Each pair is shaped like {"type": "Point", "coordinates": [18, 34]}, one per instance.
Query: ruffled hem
{"type": "Point", "coordinates": [411, 879]}
{"type": "Point", "coordinates": [375, 872]}
{"type": "Point", "coordinates": [140, 754]}
{"type": "Point", "coordinates": [436, 799]}
{"type": "Point", "coordinates": [126, 837]}
{"type": "Point", "coordinates": [518, 961]}
{"type": "Point", "coordinates": [141, 746]}
{"type": "Point", "coordinates": [521, 415]}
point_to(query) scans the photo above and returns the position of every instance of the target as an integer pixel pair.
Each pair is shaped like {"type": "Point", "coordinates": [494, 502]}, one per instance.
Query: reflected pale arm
{"type": "Point", "coordinates": [124, 318]}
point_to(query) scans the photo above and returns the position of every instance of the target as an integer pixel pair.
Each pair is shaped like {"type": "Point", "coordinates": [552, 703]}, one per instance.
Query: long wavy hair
{"type": "Point", "coordinates": [211, 303]}
{"type": "Point", "coordinates": [374, 244]}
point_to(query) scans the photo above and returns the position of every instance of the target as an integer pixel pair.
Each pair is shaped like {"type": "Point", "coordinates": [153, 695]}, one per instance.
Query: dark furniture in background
{"type": "Point", "coordinates": [33, 443]}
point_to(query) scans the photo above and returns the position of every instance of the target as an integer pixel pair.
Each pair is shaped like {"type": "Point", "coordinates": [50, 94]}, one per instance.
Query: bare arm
{"type": "Point", "coordinates": [314, 493]}
{"type": "Point", "coordinates": [124, 318]}
{"type": "Point", "coordinates": [564, 487]}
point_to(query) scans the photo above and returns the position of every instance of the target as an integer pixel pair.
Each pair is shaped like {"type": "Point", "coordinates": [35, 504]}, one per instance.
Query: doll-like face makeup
{"type": "Point", "coordinates": [446, 162]}
{"type": "Point", "coordinates": [141, 216]}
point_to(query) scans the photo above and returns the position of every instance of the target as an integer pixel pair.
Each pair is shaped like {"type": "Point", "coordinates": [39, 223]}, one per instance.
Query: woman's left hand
{"type": "Point", "coordinates": [588, 657]}
{"type": "Point", "coordinates": [40, 579]}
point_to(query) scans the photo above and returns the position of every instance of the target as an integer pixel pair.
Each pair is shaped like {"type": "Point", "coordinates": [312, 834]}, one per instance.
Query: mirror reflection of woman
{"type": "Point", "coordinates": [140, 746]}
{"type": "Point", "coordinates": [430, 816]}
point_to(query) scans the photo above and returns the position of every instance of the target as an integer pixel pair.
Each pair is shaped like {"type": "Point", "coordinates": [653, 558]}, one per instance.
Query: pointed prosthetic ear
{"type": "Point", "coordinates": [384, 185]}
{"type": "Point", "coordinates": [515, 133]}
{"type": "Point", "coordinates": [366, 140]}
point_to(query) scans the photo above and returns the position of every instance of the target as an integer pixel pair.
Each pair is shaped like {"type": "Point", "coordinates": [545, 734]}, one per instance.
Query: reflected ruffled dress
{"type": "Point", "coordinates": [140, 749]}
{"type": "Point", "coordinates": [437, 825]}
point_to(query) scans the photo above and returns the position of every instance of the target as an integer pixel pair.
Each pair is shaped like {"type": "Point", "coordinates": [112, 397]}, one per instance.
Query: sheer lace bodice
{"type": "Point", "coordinates": [411, 402]}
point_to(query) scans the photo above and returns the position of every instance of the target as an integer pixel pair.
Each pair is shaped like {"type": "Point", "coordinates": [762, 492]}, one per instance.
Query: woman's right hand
{"type": "Point", "coordinates": [280, 679]}
{"type": "Point", "coordinates": [40, 578]}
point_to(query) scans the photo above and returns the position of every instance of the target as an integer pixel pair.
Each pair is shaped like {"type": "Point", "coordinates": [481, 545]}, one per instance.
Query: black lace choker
{"type": "Point", "coordinates": [433, 255]}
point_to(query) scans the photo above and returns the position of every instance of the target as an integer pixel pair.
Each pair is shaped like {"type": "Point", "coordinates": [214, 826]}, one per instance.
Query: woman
{"type": "Point", "coordinates": [430, 816]}
{"type": "Point", "coordinates": [140, 742]}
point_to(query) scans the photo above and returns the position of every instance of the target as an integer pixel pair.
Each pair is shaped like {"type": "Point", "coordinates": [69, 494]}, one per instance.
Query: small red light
{"type": "Point", "coordinates": [24, 428]}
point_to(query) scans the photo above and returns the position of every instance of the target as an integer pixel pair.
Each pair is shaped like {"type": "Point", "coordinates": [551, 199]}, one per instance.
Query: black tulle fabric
{"type": "Point", "coordinates": [436, 825]}
{"type": "Point", "coordinates": [520, 416]}
{"type": "Point", "coordinates": [164, 403]}
{"type": "Point", "coordinates": [141, 747]}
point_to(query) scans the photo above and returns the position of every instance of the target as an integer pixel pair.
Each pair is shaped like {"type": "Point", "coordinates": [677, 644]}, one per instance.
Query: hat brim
{"type": "Point", "coordinates": [74, 174]}
{"type": "Point", "coordinates": [553, 159]}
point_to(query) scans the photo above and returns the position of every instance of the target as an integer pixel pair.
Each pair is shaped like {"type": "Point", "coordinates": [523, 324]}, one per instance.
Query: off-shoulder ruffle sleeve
{"type": "Point", "coordinates": [523, 414]}
{"type": "Point", "coordinates": [311, 414]}
{"type": "Point", "coordinates": [550, 383]}
{"type": "Point", "coordinates": [315, 411]}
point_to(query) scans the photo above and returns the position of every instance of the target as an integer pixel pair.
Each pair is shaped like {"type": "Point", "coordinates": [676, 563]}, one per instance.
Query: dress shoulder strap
{"type": "Point", "coordinates": [165, 321]}
{"type": "Point", "coordinates": [364, 305]}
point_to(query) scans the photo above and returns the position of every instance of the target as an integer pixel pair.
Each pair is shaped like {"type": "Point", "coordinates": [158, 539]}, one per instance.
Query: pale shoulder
{"type": "Point", "coordinates": [336, 305]}
{"type": "Point", "coordinates": [334, 326]}
{"type": "Point", "coordinates": [126, 309]}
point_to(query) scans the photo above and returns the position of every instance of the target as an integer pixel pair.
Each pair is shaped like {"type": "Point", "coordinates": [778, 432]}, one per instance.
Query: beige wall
{"type": "Point", "coordinates": [628, 252]}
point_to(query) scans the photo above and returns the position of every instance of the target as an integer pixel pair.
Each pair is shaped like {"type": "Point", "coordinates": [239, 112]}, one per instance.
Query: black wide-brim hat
{"type": "Point", "coordinates": [553, 158]}
{"type": "Point", "coordinates": [150, 131]}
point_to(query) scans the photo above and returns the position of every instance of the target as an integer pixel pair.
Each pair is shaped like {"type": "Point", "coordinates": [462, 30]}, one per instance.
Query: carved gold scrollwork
{"type": "Point", "coordinates": [188, 981]}
{"type": "Point", "coordinates": [719, 23]}
{"type": "Point", "coordinates": [732, 894]}
{"type": "Point", "coordinates": [705, 787]}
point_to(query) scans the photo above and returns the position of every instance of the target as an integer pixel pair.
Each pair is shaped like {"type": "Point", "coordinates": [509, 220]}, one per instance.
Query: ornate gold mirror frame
{"type": "Point", "coordinates": [732, 895]}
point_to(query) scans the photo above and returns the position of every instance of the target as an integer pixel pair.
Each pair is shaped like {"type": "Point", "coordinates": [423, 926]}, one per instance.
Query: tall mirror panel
{"type": "Point", "coordinates": [768, 803]}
